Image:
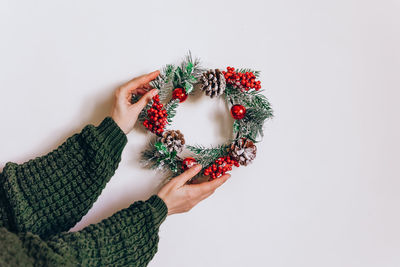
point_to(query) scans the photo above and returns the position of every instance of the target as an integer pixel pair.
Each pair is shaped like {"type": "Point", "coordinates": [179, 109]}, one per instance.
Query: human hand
{"type": "Point", "coordinates": [124, 113]}
{"type": "Point", "coordinates": [181, 197]}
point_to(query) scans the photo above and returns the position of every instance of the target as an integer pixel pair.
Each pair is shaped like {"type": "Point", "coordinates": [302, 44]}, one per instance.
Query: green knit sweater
{"type": "Point", "coordinates": [41, 199]}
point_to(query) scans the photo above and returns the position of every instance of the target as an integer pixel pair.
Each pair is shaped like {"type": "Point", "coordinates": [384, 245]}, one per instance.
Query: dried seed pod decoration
{"type": "Point", "coordinates": [243, 150]}
{"type": "Point", "coordinates": [173, 140]}
{"type": "Point", "coordinates": [213, 83]}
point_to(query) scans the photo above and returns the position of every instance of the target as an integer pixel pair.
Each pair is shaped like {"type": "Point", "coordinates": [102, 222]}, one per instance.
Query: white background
{"type": "Point", "coordinates": [324, 189]}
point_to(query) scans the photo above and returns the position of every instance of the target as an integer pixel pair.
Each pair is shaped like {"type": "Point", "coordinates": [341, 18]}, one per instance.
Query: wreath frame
{"type": "Point", "coordinates": [247, 129]}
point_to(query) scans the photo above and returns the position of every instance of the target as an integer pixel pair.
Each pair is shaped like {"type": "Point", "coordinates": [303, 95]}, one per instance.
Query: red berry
{"type": "Point", "coordinates": [221, 166]}
{"type": "Point", "coordinates": [243, 81]}
{"type": "Point", "coordinates": [156, 117]}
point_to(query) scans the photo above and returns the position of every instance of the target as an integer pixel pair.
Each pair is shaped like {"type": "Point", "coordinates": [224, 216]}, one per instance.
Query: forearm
{"type": "Point", "coordinates": [50, 194]}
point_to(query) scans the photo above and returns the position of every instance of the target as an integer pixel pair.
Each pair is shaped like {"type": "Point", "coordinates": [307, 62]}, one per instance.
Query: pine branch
{"type": "Point", "coordinates": [206, 156]}
{"type": "Point", "coordinates": [259, 101]}
{"type": "Point", "coordinates": [196, 70]}
{"type": "Point", "coordinates": [251, 126]}
{"type": "Point", "coordinates": [188, 73]}
{"type": "Point", "coordinates": [149, 156]}
{"type": "Point", "coordinates": [163, 82]}
{"type": "Point", "coordinates": [157, 156]}
{"type": "Point", "coordinates": [184, 76]}
{"type": "Point", "coordinates": [171, 109]}
{"type": "Point", "coordinates": [251, 98]}
{"type": "Point", "coordinates": [164, 77]}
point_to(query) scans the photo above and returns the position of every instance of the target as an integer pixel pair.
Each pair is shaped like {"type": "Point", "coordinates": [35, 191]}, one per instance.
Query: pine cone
{"type": "Point", "coordinates": [213, 83]}
{"type": "Point", "coordinates": [243, 150]}
{"type": "Point", "coordinates": [173, 140]}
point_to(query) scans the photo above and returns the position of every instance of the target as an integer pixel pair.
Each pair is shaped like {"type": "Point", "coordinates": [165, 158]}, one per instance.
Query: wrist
{"type": "Point", "coordinates": [165, 202]}
{"type": "Point", "coordinates": [159, 207]}
{"type": "Point", "coordinates": [120, 124]}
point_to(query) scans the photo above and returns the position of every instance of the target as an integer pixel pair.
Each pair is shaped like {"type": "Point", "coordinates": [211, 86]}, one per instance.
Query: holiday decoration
{"type": "Point", "coordinates": [180, 94]}
{"type": "Point", "coordinates": [248, 106]}
{"type": "Point", "coordinates": [238, 112]}
{"type": "Point", "coordinates": [157, 117]}
{"type": "Point", "coordinates": [243, 80]}
{"type": "Point", "coordinates": [213, 83]}
{"type": "Point", "coordinates": [243, 151]}
{"type": "Point", "coordinates": [188, 163]}
{"type": "Point", "coordinates": [220, 167]}
{"type": "Point", "coordinates": [173, 140]}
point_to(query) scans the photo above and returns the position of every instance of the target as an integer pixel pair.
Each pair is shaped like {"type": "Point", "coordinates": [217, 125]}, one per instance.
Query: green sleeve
{"type": "Point", "coordinates": [50, 194]}
{"type": "Point", "coordinates": [127, 238]}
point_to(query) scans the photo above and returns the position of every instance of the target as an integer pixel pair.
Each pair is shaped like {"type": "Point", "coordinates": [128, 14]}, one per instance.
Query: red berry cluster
{"type": "Point", "coordinates": [157, 117]}
{"type": "Point", "coordinates": [220, 167]}
{"type": "Point", "coordinates": [242, 80]}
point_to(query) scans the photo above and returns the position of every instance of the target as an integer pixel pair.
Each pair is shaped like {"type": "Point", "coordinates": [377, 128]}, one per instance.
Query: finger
{"type": "Point", "coordinates": [141, 91]}
{"type": "Point", "coordinates": [210, 186]}
{"type": "Point", "coordinates": [142, 102]}
{"type": "Point", "coordinates": [139, 81]}
{"type": "Point", "coordinates": [184, 177]}
{"type": "Point", "coordinates": [147, 86]}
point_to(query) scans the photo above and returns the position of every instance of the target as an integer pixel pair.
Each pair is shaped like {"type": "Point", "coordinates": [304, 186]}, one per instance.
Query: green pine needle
{"type": "Point", "coordinates": [163, 82]}
{"type": "Point", "coordinates": [206, 156]}
{"type": "Point", "coordinates": [251, 126]}
{"type": "Point", "coordinates": [258, 110]}
{"type": "Point", "coordinates": [192, 66]}
{"type": "Point", "coordinates": [157, 156]}
{"type": "Point", "coordinates": [171, 109]}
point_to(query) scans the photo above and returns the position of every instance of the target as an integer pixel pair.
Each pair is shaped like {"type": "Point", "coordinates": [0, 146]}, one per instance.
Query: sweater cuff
{"type": "Point", "coordinates": [159, 207]}
{"type": "Point", "coordinates": [113, 136]}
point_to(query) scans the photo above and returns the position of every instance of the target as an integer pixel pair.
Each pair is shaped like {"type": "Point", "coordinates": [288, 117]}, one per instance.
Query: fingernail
{"type": "Point", "coordinates": [155, 91]}
{"type": "Point", "coordinates": [198, 166]}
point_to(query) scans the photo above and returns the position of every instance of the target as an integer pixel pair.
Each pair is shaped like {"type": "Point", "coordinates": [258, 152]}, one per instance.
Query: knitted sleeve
{"type": "Point", "coordinates": [50, 194]}
{"type": "Point", "coordinates": [127, 238]}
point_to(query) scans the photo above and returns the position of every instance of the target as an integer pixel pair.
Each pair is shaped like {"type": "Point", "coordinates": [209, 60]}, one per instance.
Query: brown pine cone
{"type": "Point", "coordinates": [213, 83]}
{"type": "Point", "coordinates": [243, 150]}
{"type": "Point", "coordinates": [173, 140]}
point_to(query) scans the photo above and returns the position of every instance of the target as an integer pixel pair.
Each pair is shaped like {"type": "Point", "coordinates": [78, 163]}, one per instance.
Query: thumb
{"type": "Point", "coordinates": [144, 100]}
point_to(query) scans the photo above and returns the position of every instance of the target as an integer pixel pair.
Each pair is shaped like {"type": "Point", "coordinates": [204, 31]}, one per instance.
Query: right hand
{"type": "Point", "coordinates": [181, 197]}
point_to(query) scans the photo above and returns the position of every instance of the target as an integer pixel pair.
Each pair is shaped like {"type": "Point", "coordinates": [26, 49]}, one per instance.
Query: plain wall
{"type": "Point", "coordinates": [324, 189]}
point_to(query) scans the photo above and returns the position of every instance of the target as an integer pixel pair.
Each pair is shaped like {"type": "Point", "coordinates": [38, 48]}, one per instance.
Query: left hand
{"type": "Point", "coordinates": [124, 113]}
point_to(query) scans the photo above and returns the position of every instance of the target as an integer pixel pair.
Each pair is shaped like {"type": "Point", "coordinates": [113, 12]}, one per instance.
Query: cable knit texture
{"type": "Point", "coordinates": [41, 199]}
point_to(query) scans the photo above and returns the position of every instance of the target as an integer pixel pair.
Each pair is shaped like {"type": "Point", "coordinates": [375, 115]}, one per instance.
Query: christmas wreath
{"type": "Point", "coordinates": [248, 106]}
